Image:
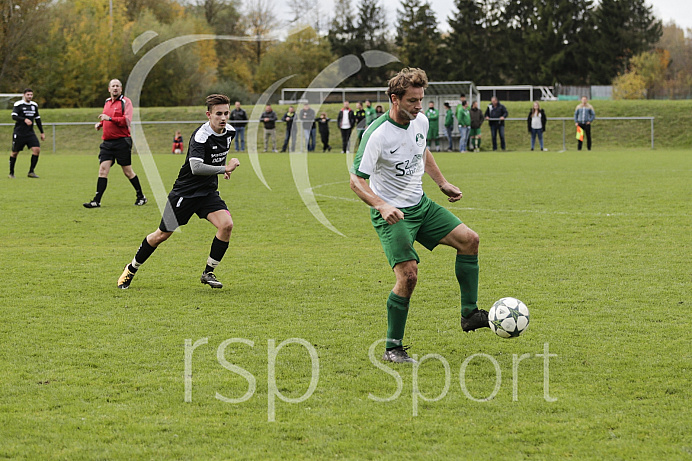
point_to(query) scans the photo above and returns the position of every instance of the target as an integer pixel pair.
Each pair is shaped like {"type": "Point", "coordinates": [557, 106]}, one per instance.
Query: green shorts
{"type": "Point", "coordinates": [427, 223]}
{"type": "Point", "coordinates": [475, 132]}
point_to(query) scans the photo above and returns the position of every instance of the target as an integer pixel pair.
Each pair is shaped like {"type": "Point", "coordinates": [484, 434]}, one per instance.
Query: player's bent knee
{"type": "Point", "coordinates": [470, 243]}
{"type": "Point", "coordinates": [227, 227]}
{"type": "Point", "coordinates": [473, 239]}
{"type": "Point", "coordinates": [411, 279]}
{"type": "Point", "coordinates": [407, 275]}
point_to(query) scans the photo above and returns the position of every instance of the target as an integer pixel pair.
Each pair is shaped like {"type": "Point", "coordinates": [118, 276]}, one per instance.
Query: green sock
{"type": "Point", "coordinates": [473, 143]}
{"type": "Point", "coordinates": [397, 311]}
{"type": "Point", "coordinates": [466, 269]}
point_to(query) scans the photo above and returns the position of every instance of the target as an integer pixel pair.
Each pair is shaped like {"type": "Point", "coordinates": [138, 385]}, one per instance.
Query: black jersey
{"type": "Point", "coordinates": [212, 148]}
{"type": "Point", "coordinates": [23, 110]}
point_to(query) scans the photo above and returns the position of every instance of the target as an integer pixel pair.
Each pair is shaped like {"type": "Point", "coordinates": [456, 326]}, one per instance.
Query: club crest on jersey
{"type": "Point", "coordinates": [420, 139]}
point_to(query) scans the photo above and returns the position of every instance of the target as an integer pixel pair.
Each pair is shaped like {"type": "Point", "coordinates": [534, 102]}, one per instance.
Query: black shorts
{"type": "Point", "coordinates": [116, 150]}
{"type": "Point", "coordinates": [179, 210]}
{"type": "Point", "coordinates": [19, 142]}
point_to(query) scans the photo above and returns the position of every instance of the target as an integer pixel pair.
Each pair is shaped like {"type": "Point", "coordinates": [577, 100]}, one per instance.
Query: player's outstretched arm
{"type": "Point", "coordinates": [389, 213]}
{"type": "Point", "coordinates": [450, 190]}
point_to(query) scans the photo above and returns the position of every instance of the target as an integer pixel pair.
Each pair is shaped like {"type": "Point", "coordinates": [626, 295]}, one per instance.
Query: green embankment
{"type": "Point", "coordinates": [673, 120]}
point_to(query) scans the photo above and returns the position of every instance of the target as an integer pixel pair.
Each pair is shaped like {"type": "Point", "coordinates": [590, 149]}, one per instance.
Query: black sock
{"type": "Point", "coordinates": [101, 185]}
{"type": "Point", "coordinates": [218, 249]}
{"type": "Point", "coordinates": [34, 161]}
{"type": "Point", "coordinates": [145, 250]}
{"type": "Point", "coordinates": [135, 183]}
{"type": "Point", "coordinates": [13, 160]}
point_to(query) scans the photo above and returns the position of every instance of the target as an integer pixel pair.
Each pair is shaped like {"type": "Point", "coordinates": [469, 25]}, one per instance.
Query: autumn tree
{"type": "Point", "coordinates": [303, 53]}
{"type": "Point", "coordinates": [261, 20]}
{"type": "Point", "coordinates": [22, 31]}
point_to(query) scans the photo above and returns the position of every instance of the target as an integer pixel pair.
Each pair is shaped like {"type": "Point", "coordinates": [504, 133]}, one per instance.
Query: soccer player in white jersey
{"type": "Point", "coordinates": [393, 156]}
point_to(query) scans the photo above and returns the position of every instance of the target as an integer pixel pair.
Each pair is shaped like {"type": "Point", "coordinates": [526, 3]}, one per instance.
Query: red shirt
{"type": "Point", "coordinates": [119, 125]}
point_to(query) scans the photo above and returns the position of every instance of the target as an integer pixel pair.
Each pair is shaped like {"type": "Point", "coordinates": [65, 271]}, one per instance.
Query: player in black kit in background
{"type": "Point", "coordinates": [25, 115]}
{"type": "Point", "coordinates": [196, 192]}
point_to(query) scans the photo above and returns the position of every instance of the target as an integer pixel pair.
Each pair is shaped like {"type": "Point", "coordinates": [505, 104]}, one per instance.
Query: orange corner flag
{"type": "Point", "coordinates": [580, 134]}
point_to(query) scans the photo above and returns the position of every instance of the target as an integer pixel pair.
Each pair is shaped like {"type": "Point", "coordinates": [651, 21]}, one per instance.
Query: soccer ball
{"type": "Point", "coordinates": [508, 317]}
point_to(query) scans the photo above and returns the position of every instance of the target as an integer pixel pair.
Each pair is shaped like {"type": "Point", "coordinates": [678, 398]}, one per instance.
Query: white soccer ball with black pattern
{"type": "Point", "coordinates": [508, 317]}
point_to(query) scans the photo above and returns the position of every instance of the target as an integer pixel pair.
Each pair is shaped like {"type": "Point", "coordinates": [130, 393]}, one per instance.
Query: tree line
{"type": "Point", "coordinates": [67, 50]}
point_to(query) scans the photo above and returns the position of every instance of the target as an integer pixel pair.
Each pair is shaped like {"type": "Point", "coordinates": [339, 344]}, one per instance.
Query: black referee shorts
{"type": "Point", "coordinates": [116, 150]}
{"type": "Point", "coordinates": [179, 210]}
{"type": "Point", "coordinates": [19, 142]}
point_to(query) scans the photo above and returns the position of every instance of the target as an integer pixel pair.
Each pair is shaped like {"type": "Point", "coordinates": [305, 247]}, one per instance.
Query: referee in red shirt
{"type": "Point", "coordinates": [117, 143]}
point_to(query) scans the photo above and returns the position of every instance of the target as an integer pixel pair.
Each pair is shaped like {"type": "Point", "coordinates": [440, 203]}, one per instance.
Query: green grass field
{"type": "Point", "coordinates": [597, 244]}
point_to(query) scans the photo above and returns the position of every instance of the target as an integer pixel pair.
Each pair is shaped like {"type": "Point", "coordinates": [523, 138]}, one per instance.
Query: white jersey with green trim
{"type": "Point", "coordinates": [392, 156]}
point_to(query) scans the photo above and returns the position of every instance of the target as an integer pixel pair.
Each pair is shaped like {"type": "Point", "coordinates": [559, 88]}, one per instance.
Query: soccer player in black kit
{"type": "Point", "coordinates": [196, 192]}
{"type": "Point", "coordinates": [25, 115]}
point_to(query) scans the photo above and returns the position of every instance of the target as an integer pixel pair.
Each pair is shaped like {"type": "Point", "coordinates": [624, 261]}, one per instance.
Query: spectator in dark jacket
{"type": "Point", "coordinates": [496, 114]}
{"type": "Point", "coordinates": [323, 124]}
{"type": "Point", "coordinates": [476, 122]}
{"type": "Point", "coordinates": [239, 122]}
{"type": "Point", "coordinates": [290, 130]}
{"type": "Point", "coordinates": [268, 117]}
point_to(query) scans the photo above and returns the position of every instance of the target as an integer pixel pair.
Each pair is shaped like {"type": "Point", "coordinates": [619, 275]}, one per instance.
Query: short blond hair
{"type": "Point", "coordinates": [406, 78]}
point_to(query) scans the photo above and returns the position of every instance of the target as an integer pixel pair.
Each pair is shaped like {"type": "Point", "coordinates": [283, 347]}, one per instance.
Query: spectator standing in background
{"type": "Point", "coordinates": [346, 121]}
{"type": "Point", "coordinates": [239, 121]}
{"type": "Point", "coordinates": [360, 116]}
{"type": "Point", "coordinates": [288, 118]}
{"type": "Point", "coordinates": [370, 113]}
{"type": "Point", "coordinates": [449, 125]}
{"type": "Point", "coordinates": [268, 117]}
{"type": "Point", "coordinates": [323, 124]}
{"type": "Point", "coordinates": [475, 131]}
{"type": "Point", "coordinates": [583, 116]}
{"type": "Point", "coordinates": [496, 114]}
{"type": "Point", "coordinates": [178, 144]}
{"type": "Point", "coordinates": [464, 121]}
{"type": "Point", "coordinates": [307, 119]}
{"type": "Point", "coordinates": [434, 126]}
{"type": "Point", "coordinates": [536, 123]}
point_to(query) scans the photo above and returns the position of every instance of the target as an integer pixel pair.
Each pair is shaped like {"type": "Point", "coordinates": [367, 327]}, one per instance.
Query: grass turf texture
{"type": "Point", "coordinates": [596, 244]}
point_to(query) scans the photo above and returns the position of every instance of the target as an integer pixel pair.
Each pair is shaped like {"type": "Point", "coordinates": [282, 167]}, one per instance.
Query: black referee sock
{"type": "Point", "coordinates": [13, 160]}
{"type": "Point", "coordinates": [101, 185]}
{"type": "Point", "coordinates": [145, 250]}
{"type": "Point", "coordinates": [135, 183]}
{"type": "Point", "coordinates": [218, 249]}
{"type": "Point", "coordinates": [34, 161]}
